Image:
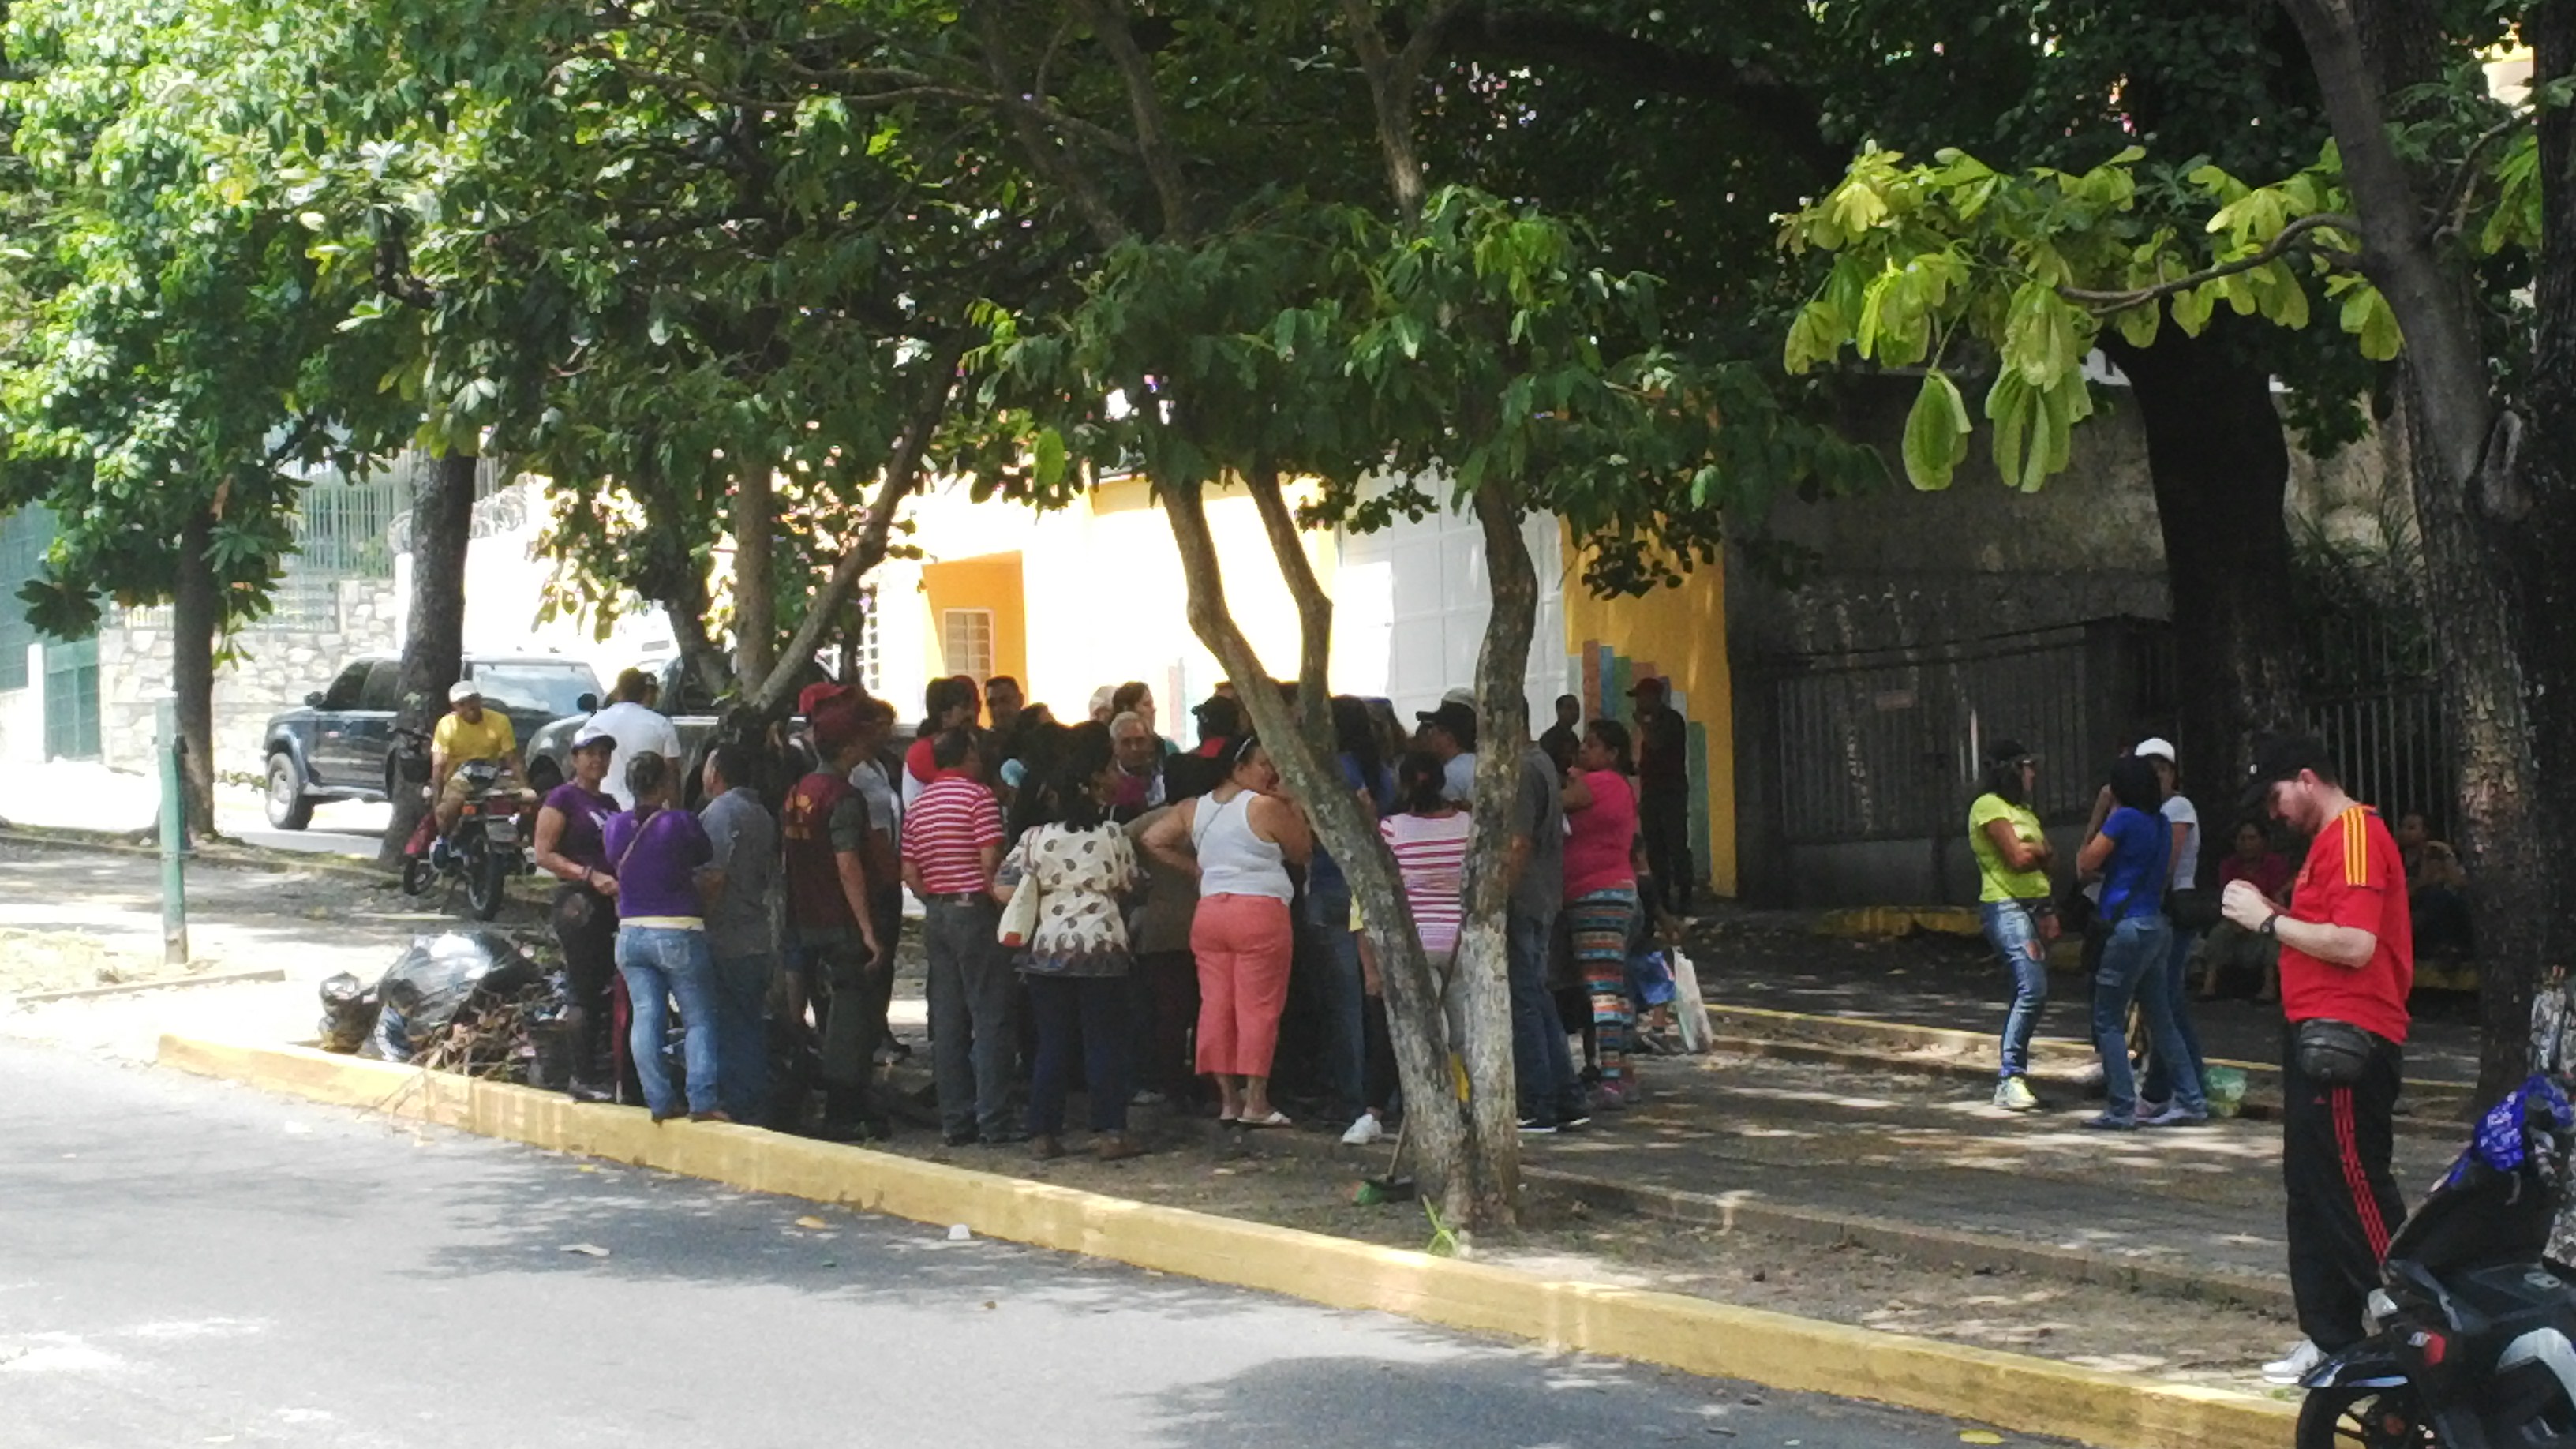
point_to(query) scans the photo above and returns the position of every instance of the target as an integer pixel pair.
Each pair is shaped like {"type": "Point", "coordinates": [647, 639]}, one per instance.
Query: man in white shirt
{"type": "Point", "coordinates": [637, 726]}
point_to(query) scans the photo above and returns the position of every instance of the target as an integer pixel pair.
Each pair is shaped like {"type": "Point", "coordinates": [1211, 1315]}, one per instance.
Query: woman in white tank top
{"type": "Point", "coordinates": [1239, 840]}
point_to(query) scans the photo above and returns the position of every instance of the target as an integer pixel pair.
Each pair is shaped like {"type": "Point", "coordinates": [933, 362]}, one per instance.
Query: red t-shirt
{"type": "Point", "coordinates": [2353, 877]}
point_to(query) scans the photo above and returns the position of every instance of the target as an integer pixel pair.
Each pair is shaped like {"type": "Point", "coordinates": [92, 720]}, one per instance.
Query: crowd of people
{"type": "Point", "coordinates": [2335, 938]}
{"type": "Point", "coordinates": [1101, 909]}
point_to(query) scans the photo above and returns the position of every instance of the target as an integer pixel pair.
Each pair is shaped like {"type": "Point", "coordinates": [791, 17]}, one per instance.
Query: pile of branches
{"type": "Point", "coordinates": [494, 1038]}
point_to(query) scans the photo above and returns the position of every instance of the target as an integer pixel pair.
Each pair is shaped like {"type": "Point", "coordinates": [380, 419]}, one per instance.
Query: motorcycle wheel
{"type": "Point", "coordinates": [2357, 1418]}
{"type": "Point", "coordinates": [417, 875]}
{"type": "Point", "coordinates": [487, 877]}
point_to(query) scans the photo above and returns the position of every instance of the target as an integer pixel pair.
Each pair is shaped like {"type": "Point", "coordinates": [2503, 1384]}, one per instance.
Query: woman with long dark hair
{"type": "Point", "coordinates": [1079, 955]}
{"type": "Point", "coordinates": [1601, 895]}
{"type": "Point", "coordinates": [2013, 897]}
{"type": "Point", "coordinates": [570, 847]}
{"type": "Point", "coordinates": [2133, 857]}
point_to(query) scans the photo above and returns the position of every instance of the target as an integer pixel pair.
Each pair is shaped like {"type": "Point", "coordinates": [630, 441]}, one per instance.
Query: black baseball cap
{"type": "Point", "coordinates": [2282, 757]}
{"type": "Point", "coordinates": [2006, 752]}
{"type": "Point", "coordinates": [1458, 719]}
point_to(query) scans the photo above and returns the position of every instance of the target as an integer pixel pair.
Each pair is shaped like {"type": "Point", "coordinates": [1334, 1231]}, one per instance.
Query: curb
{"type": "Point", "coordinates": [223, 856]}
{"type": "Point", "coordinates": [2025, 1395]}
{"type": "Point", "coordinates": [1865, 1042]}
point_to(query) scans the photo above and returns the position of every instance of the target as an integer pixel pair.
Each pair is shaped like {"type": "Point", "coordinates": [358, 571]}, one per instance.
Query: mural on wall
{"type": "Point", "coordinates": [1607, 676]}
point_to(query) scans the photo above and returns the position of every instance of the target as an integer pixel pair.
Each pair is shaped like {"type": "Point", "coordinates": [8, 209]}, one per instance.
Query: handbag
{"type": "Point", "coordinates": [2329, 1052]}
{"type": "Point", "coordinates": [1020, 915]}
{"type": "Point", "coordinates": [2192, 909]}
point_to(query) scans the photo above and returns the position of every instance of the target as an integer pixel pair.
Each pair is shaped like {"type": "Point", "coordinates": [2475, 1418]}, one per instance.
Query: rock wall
{"type": "Point", "coordinates": [273, 666]}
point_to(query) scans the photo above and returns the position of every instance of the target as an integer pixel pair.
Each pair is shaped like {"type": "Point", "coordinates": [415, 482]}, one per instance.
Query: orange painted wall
{"type": "Point", "coordinates": [988, 581]}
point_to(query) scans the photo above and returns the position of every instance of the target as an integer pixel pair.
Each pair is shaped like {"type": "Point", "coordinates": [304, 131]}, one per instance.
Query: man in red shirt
{"type": "Point", "coordinates": [2347, 963]}
{"type": "Point", "coordinates": [952, 841]}
{"type": "Point", "coordinates": [831, 905]}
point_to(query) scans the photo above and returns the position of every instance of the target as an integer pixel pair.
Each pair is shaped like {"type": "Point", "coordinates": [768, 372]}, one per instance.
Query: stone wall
{"type": "Point", "coordinates": [273, 666]}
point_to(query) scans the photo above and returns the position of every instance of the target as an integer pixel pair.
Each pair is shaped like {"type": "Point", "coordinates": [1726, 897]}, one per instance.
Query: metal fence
{"type": "Point", "coordinates": [2374, 696]}
{"type": "Point", "coordinates": [1886, 746]}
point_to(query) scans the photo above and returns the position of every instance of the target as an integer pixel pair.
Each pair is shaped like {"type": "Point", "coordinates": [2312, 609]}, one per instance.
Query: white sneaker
{"type": "Point", "coordinates": [2302, 1359]}
{"type": "Point", "coordinates": [2014, 1095]}
{"type": "Point", "coordinates": [1364, 1131]}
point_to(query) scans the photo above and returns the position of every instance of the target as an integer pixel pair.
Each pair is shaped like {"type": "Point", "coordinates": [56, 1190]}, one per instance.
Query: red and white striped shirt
{"type": "Point", "coordinates": [946, 832]}
{"type": "Point", "coordinates": [1430, 853]}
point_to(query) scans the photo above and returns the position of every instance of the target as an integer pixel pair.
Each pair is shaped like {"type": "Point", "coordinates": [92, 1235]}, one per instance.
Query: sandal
{"type": "Point", "coordinates": [1275, 1119]}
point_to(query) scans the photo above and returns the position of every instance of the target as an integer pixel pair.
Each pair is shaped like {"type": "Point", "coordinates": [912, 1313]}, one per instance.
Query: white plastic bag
{"type": "Point", "coordinates": [1690, 1009]}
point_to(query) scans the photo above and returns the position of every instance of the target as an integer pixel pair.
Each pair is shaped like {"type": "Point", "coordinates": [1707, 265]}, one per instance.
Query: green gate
{"type": "Point", "coordinates": [71, 700]}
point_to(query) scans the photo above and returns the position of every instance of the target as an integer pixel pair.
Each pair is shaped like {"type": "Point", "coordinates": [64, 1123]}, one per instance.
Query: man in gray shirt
{"type": "Point", "coordinates": [1551, 1092]}
{"type": "Point", "coordinates": [739, 934]}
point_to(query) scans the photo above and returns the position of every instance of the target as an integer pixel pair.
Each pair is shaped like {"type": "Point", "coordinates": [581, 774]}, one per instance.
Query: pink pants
{"type": "Point", "coordinates": [1242, 944]}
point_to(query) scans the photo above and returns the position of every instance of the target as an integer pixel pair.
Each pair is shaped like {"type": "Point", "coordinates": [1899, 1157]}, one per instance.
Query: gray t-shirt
{"type": "Point", "coordinates": [746, 843]}
{"type": "Point", "coordinates": [2186, 862]}
{"type": "Point", "coordinates": [1539, 814]}
{"type": "Point", "coordinates": [1458, 780]}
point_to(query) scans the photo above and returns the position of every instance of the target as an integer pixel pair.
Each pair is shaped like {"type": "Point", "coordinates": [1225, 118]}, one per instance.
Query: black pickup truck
{"type": "Point", "coordinates": [339, 746]}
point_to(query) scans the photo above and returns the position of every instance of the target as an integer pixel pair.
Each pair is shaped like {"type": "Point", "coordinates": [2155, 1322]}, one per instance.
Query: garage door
{"type": "Point", "coordinates": [1410, 603]}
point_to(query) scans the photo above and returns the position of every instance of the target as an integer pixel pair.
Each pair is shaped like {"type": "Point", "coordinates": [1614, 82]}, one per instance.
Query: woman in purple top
{"type": "Point", "coordinates": [659, 856]}
{"type": "Point", "coordinates": [571, 848]}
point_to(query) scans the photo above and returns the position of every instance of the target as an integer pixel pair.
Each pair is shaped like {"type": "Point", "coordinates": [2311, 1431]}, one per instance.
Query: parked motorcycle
{"type": "Point", "coordinates": [2473, 1335]}
{"type": "Point", "coordinates": [485, 850]}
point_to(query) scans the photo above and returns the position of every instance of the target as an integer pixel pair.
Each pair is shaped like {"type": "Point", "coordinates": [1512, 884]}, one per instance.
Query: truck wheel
{"type": "Point", "coordinates": [288, 806]}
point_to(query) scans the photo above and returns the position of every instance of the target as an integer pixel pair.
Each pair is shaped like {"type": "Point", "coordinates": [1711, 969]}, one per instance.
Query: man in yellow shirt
{"type": "Point", "coordinates": [468, 732]}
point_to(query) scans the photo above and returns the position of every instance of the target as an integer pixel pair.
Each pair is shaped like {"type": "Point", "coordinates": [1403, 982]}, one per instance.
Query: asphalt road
{"type": "Point", "coordinates": [188, 1263]}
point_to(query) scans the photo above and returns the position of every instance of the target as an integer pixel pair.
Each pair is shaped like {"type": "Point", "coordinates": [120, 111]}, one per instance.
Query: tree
{"type": "Point", "coordinates": [175, 364]}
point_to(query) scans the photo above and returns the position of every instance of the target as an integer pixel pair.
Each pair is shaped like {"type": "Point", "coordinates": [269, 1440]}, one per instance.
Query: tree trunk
{"type": "Point", "coordinates": [196, 616]}
{"type": "Point", "coordinates": [705, 659]}
{"type": "Point", "coordinates": [2221, 467]}
{"type": "Point", "coordinates": [442, 524]}
{"type": "Point", "coordinates": [755, 573]}
{"type": "Point", "coordinates": [1484, 950]}
{"type": "Point", "coordinates": [1444, 1151]}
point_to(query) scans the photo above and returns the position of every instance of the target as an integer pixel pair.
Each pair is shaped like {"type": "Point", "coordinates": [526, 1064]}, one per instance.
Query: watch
{"type": "Point", "coordinates": [2271, 925]}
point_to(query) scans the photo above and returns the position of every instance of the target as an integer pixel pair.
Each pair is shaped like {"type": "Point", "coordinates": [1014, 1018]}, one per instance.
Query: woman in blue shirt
{"type": "Point", "coordinates": [2133, 856]}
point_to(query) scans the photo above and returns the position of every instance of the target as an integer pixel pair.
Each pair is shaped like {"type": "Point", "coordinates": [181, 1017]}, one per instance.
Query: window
{"type": "Point", "coordinates": [23, 536]}
{"type": "Point", "coordinates": [346, 690]}
{"type": "Point", "coordinates": [966, 642]}
{"type": "Point", "coordinates": [535, 686]}
{"type": "Point", "coordinates": [384, 686]}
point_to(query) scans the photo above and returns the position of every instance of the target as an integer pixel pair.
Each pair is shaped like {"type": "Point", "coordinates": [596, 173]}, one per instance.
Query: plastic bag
{"type": "Point", "coordinates": [2226, 1089]}
{"type": "Point", "coordinates": [1690, 1009]}
{"type": "Point", "coordinates": [431, 983]}
{"type": "Point", "coordinates": [1650, 980]}
{"type": "Point", "coordinates": [348, 1014]}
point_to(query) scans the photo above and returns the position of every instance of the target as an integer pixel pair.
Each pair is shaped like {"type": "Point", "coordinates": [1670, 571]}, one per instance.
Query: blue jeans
{"type": "Point", "coordinates": [660, 962]}
{"type": "Point", "coordinates": [1091, 1010]}
{"type": "Point", "coordinates": [1549, 1088]}
{"type": "Point", "coordinates": [2132, 969]}
{"type": "Point", "coordinates": [2014, 933]}
{"type": "Point", "coordinates": [2159, 1083]}
{"type": "Point", "coordinates": [742, 1032]}
{"type": "Point", "coordinates": [1328, 914]}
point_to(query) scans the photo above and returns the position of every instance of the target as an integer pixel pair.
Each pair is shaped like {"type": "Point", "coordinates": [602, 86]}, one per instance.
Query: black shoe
{"type": "Point", "coordinates": [955, 1138]}
{"type": "Point", "coordinates": [862, 1129]}
{"type": "Point", "coordinates": [1008, 1137]}
{"type": "Point", "coordinates": [581, 1091]}
{"type": "Point", "coordinates": [1569, 1121]}
{"type": "Point", "coordinates": [1538, 1126]}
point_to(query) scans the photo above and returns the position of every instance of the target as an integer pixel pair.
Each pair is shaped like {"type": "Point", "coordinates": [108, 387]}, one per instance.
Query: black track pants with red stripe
{"type": "Point", "coordinates": [2335, 1144]}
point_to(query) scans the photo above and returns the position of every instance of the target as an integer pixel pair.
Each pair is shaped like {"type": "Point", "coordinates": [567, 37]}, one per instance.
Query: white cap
{"type": "Point", "coordinates": [463, 690]}
{"type": "Point", "coordinates": [591, 734]}
{"type": "Point", "coordinates": [2156, 747]}
{"type": "Point", "coordinates": [1463, 694]}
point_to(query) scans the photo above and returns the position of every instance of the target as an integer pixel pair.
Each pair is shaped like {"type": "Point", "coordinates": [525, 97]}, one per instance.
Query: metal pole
{"type": "Point", "coordinates": [174, 838]}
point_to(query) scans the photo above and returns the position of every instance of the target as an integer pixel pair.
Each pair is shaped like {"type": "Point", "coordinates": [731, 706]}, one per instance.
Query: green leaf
{"type": "Point", "coordinates": [2367, 316]}
{"type": "Point", "coordinates": [1936, 433]}
{"type": "Point", "coordinates": [2041, 340]}
{"type": "Point", "coordinates": [1050, 458]}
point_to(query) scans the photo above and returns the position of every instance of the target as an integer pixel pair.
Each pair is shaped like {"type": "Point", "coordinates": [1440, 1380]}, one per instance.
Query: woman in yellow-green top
{"type": "Point", "coordinates": [2013, 896]}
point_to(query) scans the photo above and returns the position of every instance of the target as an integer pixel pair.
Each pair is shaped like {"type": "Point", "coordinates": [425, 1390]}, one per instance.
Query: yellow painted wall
{"type": "Point", "coordinates": [987, 581]}
{"type": "Point", "coordinates": [1681, 633]}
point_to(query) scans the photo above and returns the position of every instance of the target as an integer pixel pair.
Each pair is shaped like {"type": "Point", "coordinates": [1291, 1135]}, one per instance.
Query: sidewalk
{"type": "Point", "coordinates": [1774, 961]}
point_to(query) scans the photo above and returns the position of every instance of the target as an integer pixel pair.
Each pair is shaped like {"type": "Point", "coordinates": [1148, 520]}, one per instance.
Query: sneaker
{"type": "Point", "coordinates": [1365, 1131]}
{"type": "Point", "coordinates": [2014, 1095]}
{"type": "Point", "coordinates": [2298, 1363]}
{"type": "Point", "coordinates": [1538, 1127]}
{"type": "Point", "coordinates": [1145, 1097]}
{"type": "Point", "coordinates": [1574, 1120]}
{"type": "Point", "coordinates": [2112, 1122]}
{"type": "Point", "coordinates": [2147, 1109]}
{"type": "Point", "coordinates": [2175, 1117]}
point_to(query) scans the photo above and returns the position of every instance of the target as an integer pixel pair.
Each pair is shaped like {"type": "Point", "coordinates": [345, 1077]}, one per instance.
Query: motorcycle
{"type": "Point", "coordinates": [2472, 1335]}
{"type": "Point", "coordinates": [485, 850]}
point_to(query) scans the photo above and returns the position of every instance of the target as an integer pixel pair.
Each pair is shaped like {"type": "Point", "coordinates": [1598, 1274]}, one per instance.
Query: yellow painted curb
{"type": "Point", "coordinates": [2025, 1395]}
{"type": "Point", "coordinates": [1869, 921]}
